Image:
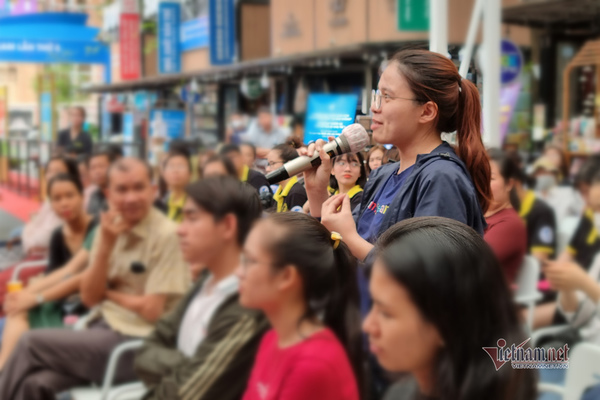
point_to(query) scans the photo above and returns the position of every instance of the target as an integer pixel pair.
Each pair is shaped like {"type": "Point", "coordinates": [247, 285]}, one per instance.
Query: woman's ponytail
{"type": "Point", "coordinates": [342, 311]}
{"type": "Point", "coordinates": [433, 77]}
{"type": "Point", "coordinates": [470, 145]}
{"type": "Point", "coordinates": [329, 273]}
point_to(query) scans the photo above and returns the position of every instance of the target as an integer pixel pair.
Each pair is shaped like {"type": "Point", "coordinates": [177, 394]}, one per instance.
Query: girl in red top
{"type": "Point", "coordinates": [506, 233]}
{"type": "Point", "coordinates": [303, 279]}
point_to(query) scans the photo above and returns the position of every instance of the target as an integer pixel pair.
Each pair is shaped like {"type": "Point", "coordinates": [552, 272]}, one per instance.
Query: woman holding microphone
{"type": "Point", "coordinates": [420, 96]}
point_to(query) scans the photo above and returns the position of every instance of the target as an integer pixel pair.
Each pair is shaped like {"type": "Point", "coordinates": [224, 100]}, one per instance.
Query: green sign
{"type": "Point", "coordinates": [413, 15]}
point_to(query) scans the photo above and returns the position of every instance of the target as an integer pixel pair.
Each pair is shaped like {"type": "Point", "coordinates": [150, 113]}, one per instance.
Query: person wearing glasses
{"type": "Point", "coordinates": [290, 195]}
{"type": "Point", "coordinates": [348, 175]}
{"type": "Point", "coordinates": [420, 96]}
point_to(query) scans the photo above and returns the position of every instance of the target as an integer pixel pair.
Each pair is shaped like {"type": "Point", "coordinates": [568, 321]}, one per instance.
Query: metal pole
{"type": "Point", "coordinates": [438, 26]}
{"type": "Point", "coordinates": [471, 35]}
{"type": "Point", "coordinates": [492, 14]}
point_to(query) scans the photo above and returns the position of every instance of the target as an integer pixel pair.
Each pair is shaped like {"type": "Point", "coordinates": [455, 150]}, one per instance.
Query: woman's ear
{"type": "Point", "coordinates": [288, 277]}
{"type": "Point", "coordinates": [510, 184]}
{"type": "Point", "coordinates": [429, 112]}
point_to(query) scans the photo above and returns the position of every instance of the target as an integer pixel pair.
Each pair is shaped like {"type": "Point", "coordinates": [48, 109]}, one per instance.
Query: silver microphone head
{"type": "Point", "coordinates": [357, 137]}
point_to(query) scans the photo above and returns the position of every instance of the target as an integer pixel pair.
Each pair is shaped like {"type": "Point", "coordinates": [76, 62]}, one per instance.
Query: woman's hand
{"type": "Point", "coordinates": [316, 180]}
{"type": "Point", "coordinates": [336, 215]}
{"type": "Point", "coordinates": [19, 302]}
{"type": "Point", "coordinates": [566, 276]}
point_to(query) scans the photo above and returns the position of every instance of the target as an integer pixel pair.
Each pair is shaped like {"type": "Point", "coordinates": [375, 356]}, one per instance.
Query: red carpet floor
{"type": "Point", "coordinates": [18, 206]}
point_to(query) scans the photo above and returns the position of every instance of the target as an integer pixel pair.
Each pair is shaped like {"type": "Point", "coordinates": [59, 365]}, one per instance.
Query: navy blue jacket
{"type": "Point", "coordinates": [440, 185]}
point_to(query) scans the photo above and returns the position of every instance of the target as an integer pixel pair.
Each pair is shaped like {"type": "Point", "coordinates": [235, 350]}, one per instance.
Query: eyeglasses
{"type": "Point", "coordinates": [376, 97]}
{"type": "Point", "coordinates": [343, 164]}
{"type": "Point", "coordinates": [274, 163]}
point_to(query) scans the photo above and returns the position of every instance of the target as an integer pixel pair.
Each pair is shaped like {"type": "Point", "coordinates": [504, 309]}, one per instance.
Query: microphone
{"type": "Point", "coordinates": [354, 138]}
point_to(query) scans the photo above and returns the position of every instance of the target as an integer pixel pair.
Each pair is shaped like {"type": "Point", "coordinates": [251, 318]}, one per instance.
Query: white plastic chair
{"type": "Point", "coordinates": [541, 333]}
{"type": "Point", "coordinates": [565, 230]}
{"type": "Point", "coordinates": [583, 373]}
{"type": "Point", "coordinates": [128, 391]}
{"type": "Point", "coordinates": [527, 280]}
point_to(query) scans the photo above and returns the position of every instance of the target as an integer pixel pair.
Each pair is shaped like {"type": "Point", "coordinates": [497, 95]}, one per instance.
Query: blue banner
{"type": "Point", "coordinates": [46, 116]}
{"type": "Point", "coordinates": [51, 51]}
{"type": "Point", "coordinates": [169, 54]}
{"type": "Point", "coordinates": [59, 32]}
{"type": "Point", "coordinates": [511, 62]}
{"type": "Point", "coordinates": [167, 124]}
{"type": "Point", "coordinates": [194, 34]}
{"type": "Point", "coordinates": [63, 18]}
{"type": "Point", "coordinates": [328, 114]}
{"type": "Point", "coordinates": [143, 101]}
{"type": "Point", "coordinates": [106, 122]}
{"type": "Point", "coordinates": [222, 31]}
{"type": "Point", "coordinates": [128, 133]}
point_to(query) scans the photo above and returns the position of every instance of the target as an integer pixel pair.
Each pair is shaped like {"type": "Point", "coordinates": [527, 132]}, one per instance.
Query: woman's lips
{"type": "Point", "coordinates": [374, 349]}
{"type": "Point", "coordinates": [375, 124]}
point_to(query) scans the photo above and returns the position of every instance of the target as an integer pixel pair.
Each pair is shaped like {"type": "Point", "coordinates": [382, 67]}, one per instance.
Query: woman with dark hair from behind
{"type": "Point", "coordinates": [439, 297]}
{"type": "Point", "coordinates": [290, 195]}
{"type": "Point", "coordinates": [302, 277]}
{"type": "Point", "coordinates": [506, 233]}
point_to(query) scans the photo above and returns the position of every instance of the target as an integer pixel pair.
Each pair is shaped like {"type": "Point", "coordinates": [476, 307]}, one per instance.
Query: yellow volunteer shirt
{"type": "Point", "coordinates": [145, 260]}
{"type": "Point", "coordinates": [281, 194]}
{"type": "Point", "coordinates": [175, 208]}
{"type": "Point", "coordinates": [353, 192]}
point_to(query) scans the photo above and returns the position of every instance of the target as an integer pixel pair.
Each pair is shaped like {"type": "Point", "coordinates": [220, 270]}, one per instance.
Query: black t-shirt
{"type": "Point", "coordinates": [258, 181]}
{"type": "Point", "coordinates": [585, 243]}
{"type": "Point", "coordinates": [82, 144]}
{"type": "Point", "coordinates": [59, 251]}
{"type": "Point", "coordinates": [541, 225]}
{"type": "Point", "coordinates": [296, 198]}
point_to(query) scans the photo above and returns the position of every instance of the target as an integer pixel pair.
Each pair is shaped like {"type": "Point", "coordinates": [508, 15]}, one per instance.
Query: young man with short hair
{"type": "Point", "coordinates": [205, 348]}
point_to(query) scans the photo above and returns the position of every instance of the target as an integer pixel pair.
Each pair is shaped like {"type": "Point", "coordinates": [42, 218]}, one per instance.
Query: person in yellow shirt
{"type": "Point", "coordinates": [177, 173]}
{"type": "Point", "coordinates": [290, 195]}
{"type": "Point", "coordinates": [348, 175]}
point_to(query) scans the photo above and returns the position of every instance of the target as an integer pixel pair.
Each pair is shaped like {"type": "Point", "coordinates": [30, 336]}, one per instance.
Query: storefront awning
{"type": "Point", "coordinates": [577, 15]}
{"type": "Point", "coordinates": [351, 57]}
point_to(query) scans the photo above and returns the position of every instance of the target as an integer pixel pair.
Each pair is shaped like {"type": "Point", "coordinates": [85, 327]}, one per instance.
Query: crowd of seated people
{"type": "Point", "coordinates": [376, 275]}
{"type": "Point", "coordinates": [233, 303]}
